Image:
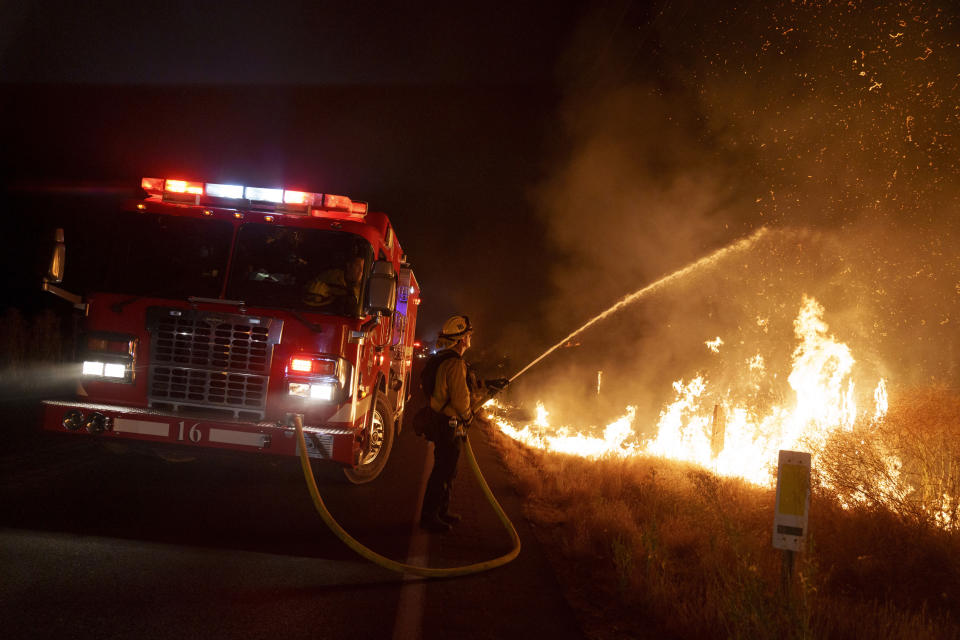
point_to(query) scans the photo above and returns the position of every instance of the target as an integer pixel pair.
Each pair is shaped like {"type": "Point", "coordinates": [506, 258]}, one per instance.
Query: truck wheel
{"type": "Point", "coordinates": [381, 442]}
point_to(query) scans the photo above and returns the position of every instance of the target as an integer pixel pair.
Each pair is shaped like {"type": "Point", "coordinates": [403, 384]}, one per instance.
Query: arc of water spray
{"type": "Point", "coordinates": [739, 245]}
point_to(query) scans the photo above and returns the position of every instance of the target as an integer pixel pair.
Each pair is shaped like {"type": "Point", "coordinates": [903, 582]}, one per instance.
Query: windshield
{"type": "Point", "coordinates": [307, 269]}
{"type": "Point", "coordinates": [163, 256]}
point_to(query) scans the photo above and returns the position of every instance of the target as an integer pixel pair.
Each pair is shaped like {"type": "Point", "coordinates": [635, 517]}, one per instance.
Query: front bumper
{"type": "Point", "coordinates": [126, 424]}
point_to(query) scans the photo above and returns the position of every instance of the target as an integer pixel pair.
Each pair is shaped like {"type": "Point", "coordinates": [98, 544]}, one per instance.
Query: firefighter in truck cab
{"type": "Point", "coordinates": [336, 289]}
{"type": "Point", "coordinates": [445, 380]}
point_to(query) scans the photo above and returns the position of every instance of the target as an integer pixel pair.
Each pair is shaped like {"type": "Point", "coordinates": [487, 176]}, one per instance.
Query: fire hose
{"type": "Point", "coordinates": [393, 565]}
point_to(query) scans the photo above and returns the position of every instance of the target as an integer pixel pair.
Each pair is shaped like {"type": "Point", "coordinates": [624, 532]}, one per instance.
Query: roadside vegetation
{"type": "Point", "coordinates": [29, 339]}
{"type": "Point", "coordinates": [31, 347]}
{"type": "Point", "coordinates": [650, 548]}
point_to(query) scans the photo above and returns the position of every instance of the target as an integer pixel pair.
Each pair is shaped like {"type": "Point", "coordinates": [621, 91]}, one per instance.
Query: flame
{"type": "Point", "coordinates": [880, 400]}
{"type": "Point", "coordinates": [944, 517]}
{"type": "Point", "coordinates": [614, 441]}
{"type": "Point", "coordinates": [728, 435]}
{"type": "Point", "coordinates": [820, 367]}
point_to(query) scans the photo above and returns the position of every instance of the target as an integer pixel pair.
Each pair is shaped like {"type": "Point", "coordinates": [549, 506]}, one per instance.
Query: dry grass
{"type": "Point", "coordinates": [652, 548]}
{"type": "Point", "coordinates": [28, 340]}
{"type": "Point", "coordinates": [31, 348]}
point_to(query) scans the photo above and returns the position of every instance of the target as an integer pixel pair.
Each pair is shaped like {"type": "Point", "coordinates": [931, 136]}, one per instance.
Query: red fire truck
{"type": "Point", "coordinates": [222, 311]}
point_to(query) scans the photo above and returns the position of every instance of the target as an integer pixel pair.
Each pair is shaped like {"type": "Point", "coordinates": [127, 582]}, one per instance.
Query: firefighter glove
{"type": "Point", "coordinates": [497, 384]}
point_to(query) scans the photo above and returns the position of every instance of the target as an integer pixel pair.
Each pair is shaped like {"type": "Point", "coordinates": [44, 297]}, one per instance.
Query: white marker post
{"type": "Point", "coordinates": [792, 508]}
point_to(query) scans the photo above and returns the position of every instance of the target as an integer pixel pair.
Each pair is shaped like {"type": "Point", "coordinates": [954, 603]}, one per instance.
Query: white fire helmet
{"type": "Point", "coordinates": [453, 330]}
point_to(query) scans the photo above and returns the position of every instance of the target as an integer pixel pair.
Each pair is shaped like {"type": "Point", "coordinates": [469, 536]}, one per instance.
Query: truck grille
{"type": "Point", "coordinates": [211, 360]}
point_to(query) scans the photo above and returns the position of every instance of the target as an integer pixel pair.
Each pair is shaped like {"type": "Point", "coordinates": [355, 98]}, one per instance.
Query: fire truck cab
{"type": "Point", "coordinates": [222, 311]}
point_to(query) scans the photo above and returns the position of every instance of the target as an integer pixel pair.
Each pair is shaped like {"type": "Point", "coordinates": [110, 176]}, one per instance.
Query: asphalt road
{"type": "Point", "coordinates": [98, 545]}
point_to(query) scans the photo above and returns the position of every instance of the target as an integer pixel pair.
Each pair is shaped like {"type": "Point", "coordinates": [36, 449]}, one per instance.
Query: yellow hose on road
{"type": "Point", "coordinates": [393, 565]}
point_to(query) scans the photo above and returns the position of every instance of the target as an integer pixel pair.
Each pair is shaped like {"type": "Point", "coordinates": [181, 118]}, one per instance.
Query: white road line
{"type": "Point", "coordinates": [408, 624]}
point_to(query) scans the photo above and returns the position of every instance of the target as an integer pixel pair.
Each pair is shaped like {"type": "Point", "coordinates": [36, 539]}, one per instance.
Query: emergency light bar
{"type": "Point", "coordinates": [286, 200]}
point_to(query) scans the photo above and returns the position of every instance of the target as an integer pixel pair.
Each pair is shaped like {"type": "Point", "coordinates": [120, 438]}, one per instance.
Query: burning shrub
{"type": "Point", "coordinates": [907, 462]}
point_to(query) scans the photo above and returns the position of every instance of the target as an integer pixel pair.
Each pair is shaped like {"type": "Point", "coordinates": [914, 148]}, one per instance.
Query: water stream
{"type": "Point", "coordinates": [735, 247]}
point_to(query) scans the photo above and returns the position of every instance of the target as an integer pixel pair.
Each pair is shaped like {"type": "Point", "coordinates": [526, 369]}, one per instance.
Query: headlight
{"type": "Point", "coordinates": [114, 370]}
{"type": "Point", "coordinates": [315, 391]}
{"type": "Point", "coordinates": [318, 377]}
{"type": "Point", "coordinates": [322, 391]}
{"type": "Point", "coordinates": [92, 368]}
{"type": "Point", "coordinates": [118, 371]}
{"type": "Point", "coordinates": [111, 357]}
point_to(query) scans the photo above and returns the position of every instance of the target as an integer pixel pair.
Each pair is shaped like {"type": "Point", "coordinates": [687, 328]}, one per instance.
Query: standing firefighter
{"type": "Point", "coordinates": [445, 383]}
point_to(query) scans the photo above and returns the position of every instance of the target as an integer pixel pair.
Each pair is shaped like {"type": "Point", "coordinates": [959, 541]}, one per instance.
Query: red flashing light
{"type": "Point", "coordinates": [315, 366]}
{"type": "Point", "coordinates": [303, 365]}
{"type": "Point", "coordinates": [331, 201]}
{"type": "Point", "coordinates": [153, 186]}
{"type": "Point", "coordinates": [182, 186]}
{"type": "Point", "coordinates": [358, 207]}
{"type": "Point", "coordinates": [296, 197]}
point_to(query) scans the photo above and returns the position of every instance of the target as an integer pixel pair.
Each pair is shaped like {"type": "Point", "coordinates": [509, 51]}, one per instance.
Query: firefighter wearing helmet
{"type": "Point", "coordinates": [445, 380]}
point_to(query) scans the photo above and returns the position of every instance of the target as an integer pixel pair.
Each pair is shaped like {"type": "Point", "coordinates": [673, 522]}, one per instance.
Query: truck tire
{"type": "Point", "coordinates": [381, 442]}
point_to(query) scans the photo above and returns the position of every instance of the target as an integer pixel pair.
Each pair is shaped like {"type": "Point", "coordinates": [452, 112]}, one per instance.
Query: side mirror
{"type": "Point", "coordinates": [54, 274]}
{"type": "Point", "coordinates": [382, 289]}
{"type": "Point", "coordinates": [58, 259]}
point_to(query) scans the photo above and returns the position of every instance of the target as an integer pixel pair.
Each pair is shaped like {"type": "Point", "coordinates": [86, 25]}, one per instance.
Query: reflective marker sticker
{"type": "Point", "coordinates": [793, 489]}
{"type": "Point", "coordinates": [226, 436]}
{"type": "Point", "coordinates": [142, 427]}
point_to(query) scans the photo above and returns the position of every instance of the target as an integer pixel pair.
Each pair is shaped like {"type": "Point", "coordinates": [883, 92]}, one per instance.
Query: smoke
{"type": "Point", "coordinates": [837, 125]}
{"type": "Point", "coordinates": [704, 263]}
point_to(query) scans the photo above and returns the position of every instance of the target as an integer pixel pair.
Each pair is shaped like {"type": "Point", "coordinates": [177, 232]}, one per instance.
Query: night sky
{"type": "Point", "coordinates": [540, 163]}
{"type": "Point", "coordinates": [439, 115]}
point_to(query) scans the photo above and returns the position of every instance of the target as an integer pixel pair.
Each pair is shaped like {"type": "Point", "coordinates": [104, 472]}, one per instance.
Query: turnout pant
{"type": "Point", "coordinates": [436, 498]}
